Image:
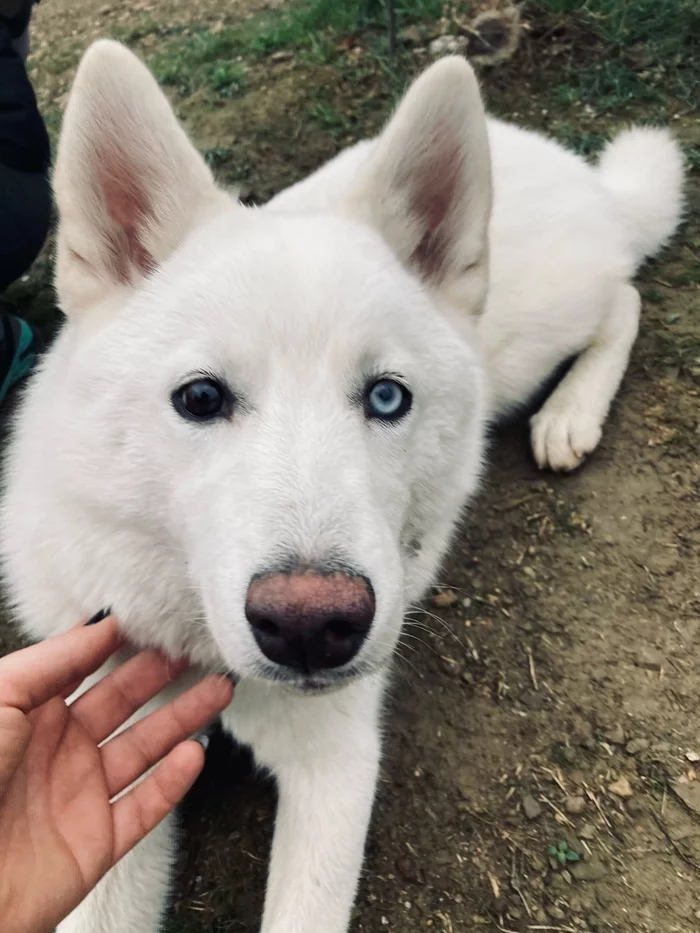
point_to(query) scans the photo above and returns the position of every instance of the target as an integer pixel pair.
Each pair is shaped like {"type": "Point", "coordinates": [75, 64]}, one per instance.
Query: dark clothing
{"type": "Point", "coordinates": [25, 156]}
{"type": "Point", "coordinates": [24, 142]}
{"type": "Point", "coordinates": [25, 213]}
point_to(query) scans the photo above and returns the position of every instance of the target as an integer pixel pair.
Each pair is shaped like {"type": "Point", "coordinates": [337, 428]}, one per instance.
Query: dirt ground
{"type": "Point", "coordinates": [549, 695]}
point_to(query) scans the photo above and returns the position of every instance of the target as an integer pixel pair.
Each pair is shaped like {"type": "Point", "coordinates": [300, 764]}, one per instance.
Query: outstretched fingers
{"type": "Point", "coordinates": [139, 811]}
{"type": "Point", "coordinates": [130, 754]}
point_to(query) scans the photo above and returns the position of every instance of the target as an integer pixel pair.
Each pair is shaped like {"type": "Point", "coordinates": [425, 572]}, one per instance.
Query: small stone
{"type": "Point", "coordinates": [409, 870]}
{"type": "Point", "coordinates": [592, 870]}
{"type": "Point", "coordinates": [635, 807]}
{"type": "Point", "coordinates": [447, 45]}
{"type": "Point", "coordinates": [621, 787]}
{"type": "Point", "coordinates": [663, 562]}
{"type": "Point", "coordinates": [692, 756]}
{"type": "Point", "coordinates": [606, 897]}
{"type": "Point", "coordinates": [649, 659]}
{"type": "Point", "coordinates": [635, 746]}
{"type": "Point", "coordinates": [533, 700]}
{"type": "Point", "coordinates": [556, 913]}
{"type": "Point", "coordinates": [587, 832]}
{"type": "Point", "coordinates": [615, 735]}
{"type": "Point", "coordinates": [467, 677]}
{"type": "Point", "coordinates": [689, 794]}
{"type": "Point", "coordinates": [284, 55]}
{"type": "Point", "coordinates": [582, 734]}
{"type": "Point", "coordinates": [575, 805]}
{"type": "Point", "coordinates": [531, 807]}
{"type": "Point", "coordinates": [411, 35]}
{"type": "Point", "coordinates": [444, 599]}
{"type": "Point", "coordinates": [558, 881]}
{"type": "Point", "coordinates": [451, 667]}
{"type": "Point", "coordinates": [581, 903]}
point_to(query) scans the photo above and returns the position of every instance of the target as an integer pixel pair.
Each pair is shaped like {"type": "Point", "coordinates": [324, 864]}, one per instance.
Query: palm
{"type": "Point", "coordinates": [59, 830]}
{"type": "Point", "coordinates": [57, 812]}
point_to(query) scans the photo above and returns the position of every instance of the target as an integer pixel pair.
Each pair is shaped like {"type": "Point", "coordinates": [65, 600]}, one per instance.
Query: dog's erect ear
{"type": "Point", "coordinates": [129, 184]}
{"type": "Point", "coordinates": [427, 187]}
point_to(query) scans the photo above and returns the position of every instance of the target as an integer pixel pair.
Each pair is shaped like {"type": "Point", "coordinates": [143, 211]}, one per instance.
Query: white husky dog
{"type": "Point", "coordinates": [254, 435]}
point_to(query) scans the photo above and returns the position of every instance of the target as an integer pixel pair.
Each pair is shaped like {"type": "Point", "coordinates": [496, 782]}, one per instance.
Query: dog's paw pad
{"type": "Point", "coordinates": [561, 440]}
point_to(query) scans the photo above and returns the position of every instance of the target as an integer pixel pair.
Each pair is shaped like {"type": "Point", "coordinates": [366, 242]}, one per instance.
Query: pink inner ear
{"type": "Point", "coordinates": [436, 191]}
{"type": "Point", "coordinates": [128, 206]}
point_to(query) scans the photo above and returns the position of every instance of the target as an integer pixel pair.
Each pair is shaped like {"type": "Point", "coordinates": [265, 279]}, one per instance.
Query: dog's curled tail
{"type": "Point", "coordinates": [643, 170]}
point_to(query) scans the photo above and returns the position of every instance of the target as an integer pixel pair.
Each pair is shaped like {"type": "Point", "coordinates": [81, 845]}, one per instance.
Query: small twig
{"type": "Point", "coordinates": [557, 778]}
{"type": "Point", "coordinates": [514, 503]}
{"type": "Point", "coordinates": [592, 797]}
{"type": "Point", "coordinates": [556, 929]}
{"type": "Point", "coordinates": [250, 855]}
{"type": "Point", "coordinates": [531, 665]}
{"type": "Point", "coordinates": [676, 848]}
{"type": "Point", "coordinates": [562, 816]}
{"type": "Point", "coordinates": [515, 885]}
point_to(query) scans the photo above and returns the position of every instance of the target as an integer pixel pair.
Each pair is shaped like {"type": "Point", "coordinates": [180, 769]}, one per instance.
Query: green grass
{"type": "Point", "coordinates": [311, 28]}
{"type": "Point", "coordinates": [330, 119]}
{"type": "Point", "coordinates": [583, 142]}
{"type": "Point", "coordinates": [201, 60]}
{"type": "Point", "coordinates": [620, 54]}
{"type": "Point", "coordinates": [692, 157]}
{"type": "Point", "coordinates": [302, 23]}
{"type": "Point", "coordinates": [628, 51]}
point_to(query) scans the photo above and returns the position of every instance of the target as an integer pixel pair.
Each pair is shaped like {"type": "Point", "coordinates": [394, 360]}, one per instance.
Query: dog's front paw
{"type": "Point", "coordinates": [562, 439]}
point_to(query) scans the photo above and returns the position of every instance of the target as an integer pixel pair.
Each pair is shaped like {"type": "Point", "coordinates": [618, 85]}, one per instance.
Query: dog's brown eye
{"type": "Point", "coordinates": [201, 400]}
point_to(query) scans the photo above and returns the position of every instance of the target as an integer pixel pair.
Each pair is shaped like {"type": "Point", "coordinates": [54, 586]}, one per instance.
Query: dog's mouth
{"type": "Point", "coordinates": [312, 683]}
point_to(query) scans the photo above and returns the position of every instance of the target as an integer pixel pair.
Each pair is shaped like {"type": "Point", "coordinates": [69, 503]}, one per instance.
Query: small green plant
{"type": "Point", "coordinates": [330, 119]}
{"type": "Point", "coordinates": [217, 155]}
{"type": "Point", "coordinates": [563, 854]}
{"type": "Point", "coordinates": [226, 79]}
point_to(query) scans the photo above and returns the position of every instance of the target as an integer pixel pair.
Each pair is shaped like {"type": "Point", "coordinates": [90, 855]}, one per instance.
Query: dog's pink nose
{"type": "Point", "coordinates": [309, 620]}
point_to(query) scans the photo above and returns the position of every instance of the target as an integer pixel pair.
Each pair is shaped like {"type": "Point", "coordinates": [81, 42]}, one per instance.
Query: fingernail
{"type": "Point", "coordinates": [203, 741]}
{"type": "Point", "coordinates": [99, 616]}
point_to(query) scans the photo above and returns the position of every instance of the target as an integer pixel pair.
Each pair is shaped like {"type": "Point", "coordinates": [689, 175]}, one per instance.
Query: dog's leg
{"type": "Point", "coordinates": [325, 803]}
{"type": "Point", "coordinates": [569, 424]}
{"type": "Point", "coordinates": [132, 897]}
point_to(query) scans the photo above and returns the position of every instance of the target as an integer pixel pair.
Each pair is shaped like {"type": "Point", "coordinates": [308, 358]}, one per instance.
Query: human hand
{"type": "Point", "coordinates": [59, 832]}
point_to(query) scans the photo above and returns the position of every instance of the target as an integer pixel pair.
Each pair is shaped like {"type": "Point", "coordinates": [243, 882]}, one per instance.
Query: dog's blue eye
{"type": "Point", "coordinates": [387, 400]}
{"type": "Point", "coordinates": [200, 400]}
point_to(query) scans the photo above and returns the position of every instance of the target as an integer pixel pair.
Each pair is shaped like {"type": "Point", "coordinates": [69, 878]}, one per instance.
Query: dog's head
{"type": "Point", "coordinates": [261, 425]}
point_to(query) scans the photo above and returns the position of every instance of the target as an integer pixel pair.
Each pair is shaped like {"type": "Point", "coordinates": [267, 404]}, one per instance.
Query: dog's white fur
{"type": "Point", "coordinates": [377, 264]}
